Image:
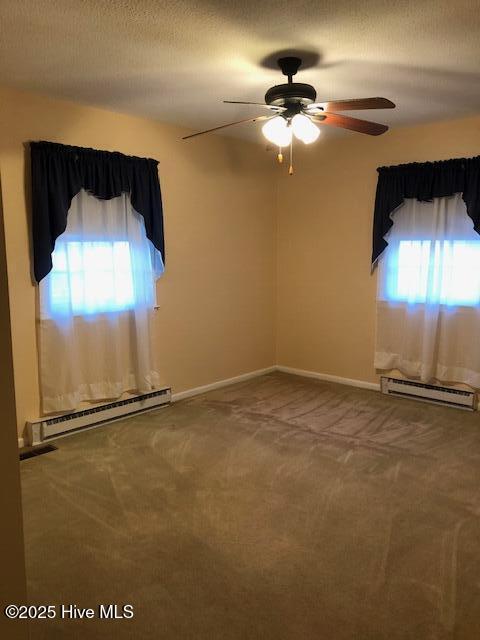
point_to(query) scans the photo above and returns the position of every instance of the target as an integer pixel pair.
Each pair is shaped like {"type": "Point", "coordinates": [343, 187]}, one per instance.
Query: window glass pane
{"type": "Point", "coordinates": [74, 253]}
{"type": "Point", "coordinates": [413, 269]}
{"type": "Point", "coordinates": [59, 257]}
{"type": "Point", "coordinates": [59, 291]}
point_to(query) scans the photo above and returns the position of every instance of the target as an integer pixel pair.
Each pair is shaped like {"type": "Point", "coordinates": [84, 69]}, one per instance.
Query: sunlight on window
{"type": "Point", "coordinates": [443, 272]}
{"type": "Point", "coordinates": [91, 277]}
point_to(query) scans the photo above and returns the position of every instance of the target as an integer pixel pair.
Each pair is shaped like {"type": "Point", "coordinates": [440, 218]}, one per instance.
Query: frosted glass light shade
{"type": "Point", "coordinates": [277, 131]}
{"type": "Point", "coordinates": [304, 129]}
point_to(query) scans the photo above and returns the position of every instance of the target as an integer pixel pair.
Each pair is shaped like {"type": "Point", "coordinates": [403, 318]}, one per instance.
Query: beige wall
{"type": "Point", "coordinates": [326, 294]}
{"type": "Point", "coordinates": [12, 561]}
{"type": "Point", "coordinates": [217, 297]}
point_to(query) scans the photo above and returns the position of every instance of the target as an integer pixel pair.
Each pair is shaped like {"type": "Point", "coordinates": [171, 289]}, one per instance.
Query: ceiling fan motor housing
{"type": "Point", "coordinates": [283, 95]}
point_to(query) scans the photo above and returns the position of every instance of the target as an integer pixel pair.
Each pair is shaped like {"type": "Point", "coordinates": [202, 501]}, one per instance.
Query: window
{"type": "Point", "coordinates": [91, 277]}
{"type": "Point", "coordinates": [435, 271]}
{"type": "Point", "coordinates": [103, 263]}
{"type": "Point", "coordinates": [428, 303]}
{"type": "Point", "coordinates": [96, 302]}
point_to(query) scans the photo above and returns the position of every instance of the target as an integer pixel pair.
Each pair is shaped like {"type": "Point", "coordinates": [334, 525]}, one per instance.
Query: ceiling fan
{"type": "Point", "coordinates": [294, 112]}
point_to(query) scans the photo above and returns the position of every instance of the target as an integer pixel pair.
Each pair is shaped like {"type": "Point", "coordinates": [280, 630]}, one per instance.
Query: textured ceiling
{"type": "Point", "coordinates": [176, 61]}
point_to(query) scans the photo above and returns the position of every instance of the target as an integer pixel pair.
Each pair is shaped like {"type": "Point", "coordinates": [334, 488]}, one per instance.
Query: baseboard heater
{"type": "Point", "coordinates": [40, 430]}
{"type": "Point", "coordinates": [429, 393]}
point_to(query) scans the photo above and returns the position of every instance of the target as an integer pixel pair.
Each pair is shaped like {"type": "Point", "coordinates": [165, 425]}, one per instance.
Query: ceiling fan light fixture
{"type": "Point", "coordinates": [294, 112]}
{"type": "Point", "coordinates": [304, 129]}
{"type": "Point", "coordinates": [277, 131]}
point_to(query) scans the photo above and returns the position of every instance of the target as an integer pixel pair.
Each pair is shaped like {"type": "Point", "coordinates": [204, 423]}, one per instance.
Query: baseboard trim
{"type": "Point", "coordinates": [196, 391]}
{"type": "Point", "coordinates": [362, 384]}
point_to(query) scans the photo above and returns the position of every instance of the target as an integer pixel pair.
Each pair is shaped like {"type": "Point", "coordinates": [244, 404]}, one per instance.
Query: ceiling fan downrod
{"type": "Point", "coordinates": [289, 66]}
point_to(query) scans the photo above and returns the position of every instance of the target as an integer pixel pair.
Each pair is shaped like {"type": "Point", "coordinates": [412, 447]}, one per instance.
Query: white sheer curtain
{"type": "Point", "coordinates": [428, 302]}
{"type": "Point", "coordinates": [96, 306]}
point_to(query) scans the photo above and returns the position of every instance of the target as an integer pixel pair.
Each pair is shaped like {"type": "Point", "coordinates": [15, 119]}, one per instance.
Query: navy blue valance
{"type": "Point", "coordinates": [59, 172]}
{"type": "Point", "coordinates": [424, 181]}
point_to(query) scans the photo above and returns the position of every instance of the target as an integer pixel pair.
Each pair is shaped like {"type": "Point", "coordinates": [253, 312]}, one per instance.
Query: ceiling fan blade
{"type": "Point", "coordinates": [230, 124]}
{"type": "Point", "coordinates": [354, 124]}
{"type": "Point", "coordinates": [352, 105]}
{"type": "Point", "coordinates": [258, 104]}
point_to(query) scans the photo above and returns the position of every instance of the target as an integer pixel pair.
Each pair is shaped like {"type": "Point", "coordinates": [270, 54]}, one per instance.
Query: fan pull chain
{"type": "Point", "coordinates": [280, 155]}
{"type": "Point", "coordinates": [290, 168]}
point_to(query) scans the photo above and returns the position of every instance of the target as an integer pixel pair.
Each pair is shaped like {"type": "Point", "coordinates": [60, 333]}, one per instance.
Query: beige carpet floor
{"type": "Point", "coordinates": [279, 508]}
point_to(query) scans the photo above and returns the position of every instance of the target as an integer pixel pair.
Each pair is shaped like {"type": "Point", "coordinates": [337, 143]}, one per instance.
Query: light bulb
{"type": "Point", "coordinates": [304, 129]}
{"type": "Point", "coordinates": [277, 131]}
